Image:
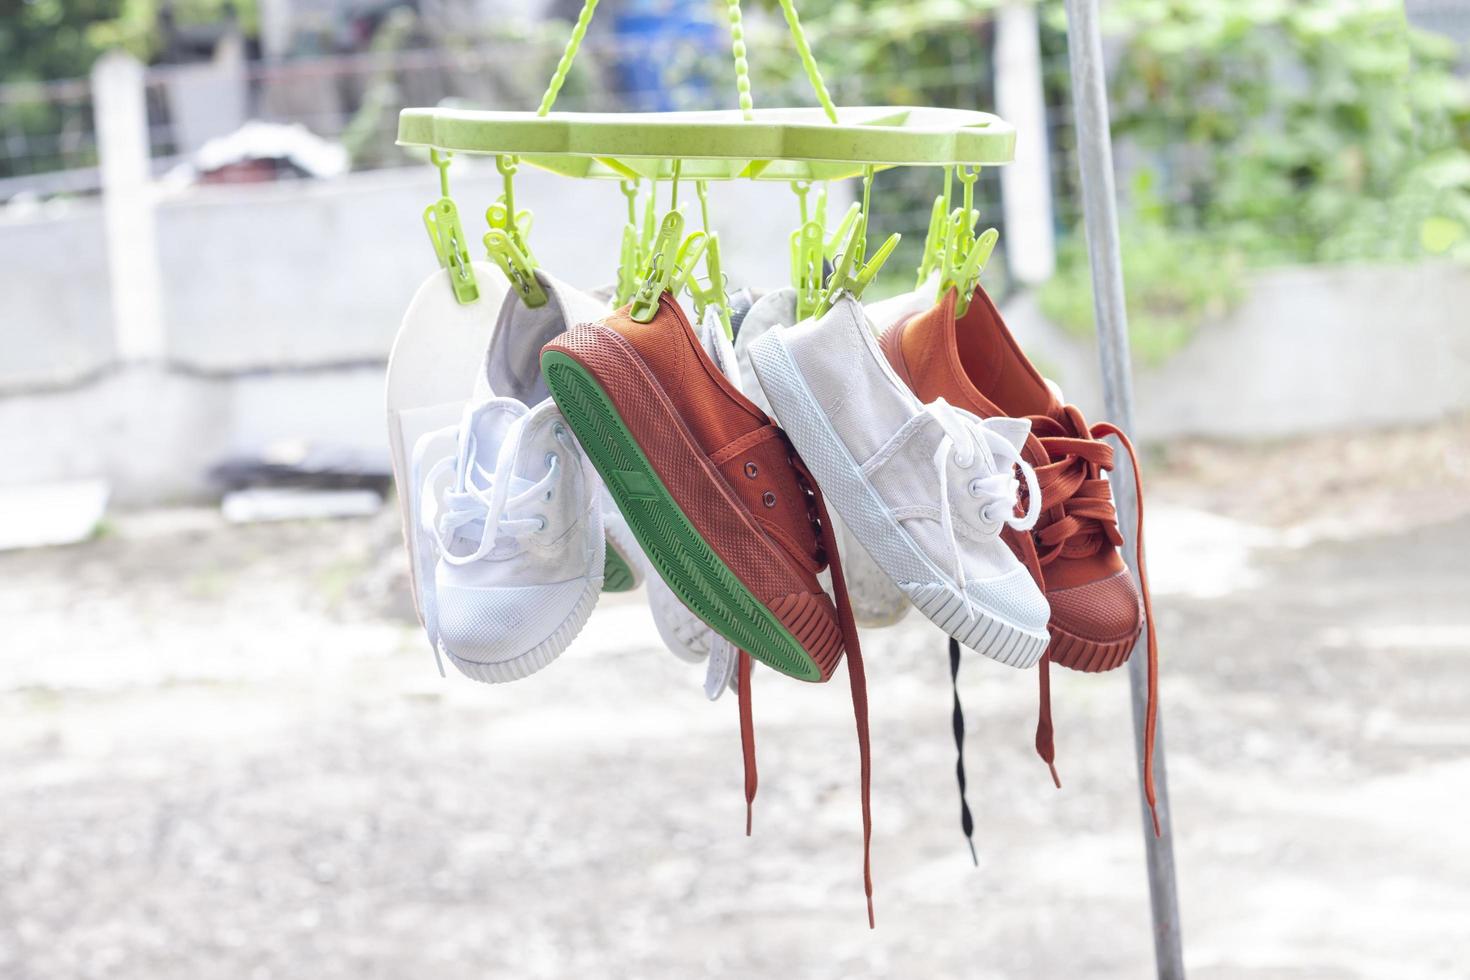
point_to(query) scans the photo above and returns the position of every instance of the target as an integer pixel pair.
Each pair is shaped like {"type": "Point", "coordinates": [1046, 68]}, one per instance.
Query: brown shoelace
{"type": "Point", "coordinates": [826, 556]}
{"type": "Point", "coordinates": [1079, 518]}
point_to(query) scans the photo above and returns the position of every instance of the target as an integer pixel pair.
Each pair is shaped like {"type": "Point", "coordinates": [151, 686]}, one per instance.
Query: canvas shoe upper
{"type": "Point", "coordinates": [876, 601]}
{"type": "Point", "coordinates": [1097, 612]}
{"type": "Point", "coordinates": [518, 526]}
{"type": "Point", "coordinates": [512, 368]}
{"type": "Point", "coordinates": [925, 488]}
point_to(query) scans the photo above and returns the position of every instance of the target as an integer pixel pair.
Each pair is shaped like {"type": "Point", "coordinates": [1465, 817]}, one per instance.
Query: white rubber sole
{"type": "Point", "coordinates": [930, 590]}
{"type": "Point", "coordinates": [539, 656]}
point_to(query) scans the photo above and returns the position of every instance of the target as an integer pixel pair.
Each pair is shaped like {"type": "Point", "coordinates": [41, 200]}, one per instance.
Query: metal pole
{"type": "Point", "coordinates": [1099, 209]}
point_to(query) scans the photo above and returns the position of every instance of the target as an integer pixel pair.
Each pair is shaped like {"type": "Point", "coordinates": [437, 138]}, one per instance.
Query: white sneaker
{"type": "Point", "coordinates": [426, 392]}
{"type": "Point", "coordinates": [876, 602]}
{"type": "Point", "coordinates": [512, 369]}
{"type": "Point", "coordinates": [514, 512]}
{"type": "Point", "coordinates": [925, 488]}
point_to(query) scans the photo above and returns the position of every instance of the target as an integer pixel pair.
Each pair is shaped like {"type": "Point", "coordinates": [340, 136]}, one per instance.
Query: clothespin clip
{"type": "Point", "coordinates": [446, 234]}
{"type": "Point", "coordinates": [841, 236]}
{"type": "Point", "coordinates": [506, 240]}
{"type": "Point", "coordinates": [713, 291]}
{"type": "Point", "coordinates": [934, 240]}
{"type": "Point", "coordinates": [850, 273]}
{"type": "Point", "coordinates": [806, 267]}
{"type": "Point", "coordinates": [965, 254]}
{"type": "Point", "coordinates": [967, 276]}
{"type": "Point", "coordinates": [662, 267]}
{"type": "Point", "coordinates": [630, 257]}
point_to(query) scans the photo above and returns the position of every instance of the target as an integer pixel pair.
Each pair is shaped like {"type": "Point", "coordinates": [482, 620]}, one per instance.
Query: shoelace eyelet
{"type": "Point", "coordinates": [976, 490]}
{"type": "Point", "coordinates": [768, 498]}
{"type": "Point", "coordinates": [751, 470]}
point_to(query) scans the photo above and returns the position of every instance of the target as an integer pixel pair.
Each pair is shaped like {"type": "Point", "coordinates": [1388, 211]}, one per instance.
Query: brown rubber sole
{"type": "Point", "coordinates": [1089, 656]}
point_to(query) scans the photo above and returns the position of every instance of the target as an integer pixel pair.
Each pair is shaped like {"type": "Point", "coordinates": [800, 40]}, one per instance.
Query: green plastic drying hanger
{"type": "Point", "coordinates": [827, 143]}
{"type": "Point", "coordinates": [447, 235]}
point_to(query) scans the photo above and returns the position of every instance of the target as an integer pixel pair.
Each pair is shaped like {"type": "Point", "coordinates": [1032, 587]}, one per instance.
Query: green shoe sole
{"type": "Point", "coordinates": [616, 575]}
{"type": "Point", "coordinates": [692, 569]}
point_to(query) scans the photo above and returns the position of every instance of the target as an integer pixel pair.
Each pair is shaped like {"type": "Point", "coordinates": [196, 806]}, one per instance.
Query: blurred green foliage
{"type": "Point", "coordinates": [1267, 132]}
{"type": "Point", "coordinates": [1174, 280]}
{"type": "Point", "coordinates": [1297, 130]}
{"type": "Point", "coordinates": [42, 40]}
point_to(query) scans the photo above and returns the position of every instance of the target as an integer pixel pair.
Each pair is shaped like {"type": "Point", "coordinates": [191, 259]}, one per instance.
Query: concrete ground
{"type": "Point", "coordinates": [226, 753]}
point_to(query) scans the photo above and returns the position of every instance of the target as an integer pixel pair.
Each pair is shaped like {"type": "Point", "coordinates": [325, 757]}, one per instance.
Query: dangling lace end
{"type": "Point", "coordinates": [1153, 811]}
{"type": "Point", "coordinates": [1045, 735]}
{"type": "Point", "coordinates": [439, 660]}
{"type": "Point", "coordinates": [975, 858]}
{"type": "Point", "coordinates": [747, 740]}
{"type": "Point", "coordinates": [872, 923]}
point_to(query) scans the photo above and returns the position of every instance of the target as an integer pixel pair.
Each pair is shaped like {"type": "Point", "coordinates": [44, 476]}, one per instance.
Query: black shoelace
{"type": "Point", "coordinates": [967, 823]}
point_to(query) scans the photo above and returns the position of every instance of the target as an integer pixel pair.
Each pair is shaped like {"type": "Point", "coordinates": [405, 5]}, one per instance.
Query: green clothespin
{"type": "Point", "coordinates": [850, 272]}
{"type": "Point", "coordinates": [712, 293]}
{"type": "Point", "coordinates": [506, 240]}
{"type": "Point", "coordinates": [662, 268]}
{"type": "Point", "coordinates": [806, 268]}
{"type": "Point", "coordinates": [965, 254]}
{"type": "Point", "coordinates": [808, 250]}
{"type": "Point", "coordinates": [441, 219]}
{"type": "Point", "coordinates": [934, 239]}
{"type": "Point", "coordinates": [630, 257]}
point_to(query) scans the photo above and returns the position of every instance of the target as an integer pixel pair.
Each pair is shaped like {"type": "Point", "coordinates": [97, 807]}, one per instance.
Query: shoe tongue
{"type": "Point", "coordinates": [513, 362]}
{"type": "Point", "coordinates": [483, 431]}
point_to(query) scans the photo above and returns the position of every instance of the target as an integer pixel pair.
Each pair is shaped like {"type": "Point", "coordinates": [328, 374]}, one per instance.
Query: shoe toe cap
{"type": "Point", "coordinates": [1095, 625]}
{"type": "Point", "coordinates": [1014, 598]}
{"type": "Point", "coordinates": [496, 624]}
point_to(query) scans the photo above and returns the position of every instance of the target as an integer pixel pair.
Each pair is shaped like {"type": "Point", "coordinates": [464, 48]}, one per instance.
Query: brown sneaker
{"type": "Point", "coordinates": [1096, 611]}
{"type": "Point", "coordinates": [714, 493]}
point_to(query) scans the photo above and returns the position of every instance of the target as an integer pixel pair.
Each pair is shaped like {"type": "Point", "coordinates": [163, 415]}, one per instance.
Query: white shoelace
{"type": "Point", "coordinates": [964, 438]}
{"type": "Point", "coordinates": [485, 499]}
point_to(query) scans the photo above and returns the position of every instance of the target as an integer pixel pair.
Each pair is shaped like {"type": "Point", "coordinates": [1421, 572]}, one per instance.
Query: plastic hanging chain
{"type": "Point", "coordinates": [446, 233]}
{"type": "Point", "coordinates": [742, 65]}
{"type": "Point", "coordinates": [569, 53]}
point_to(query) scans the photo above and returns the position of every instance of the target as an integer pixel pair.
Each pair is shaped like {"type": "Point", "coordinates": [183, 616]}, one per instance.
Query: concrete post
{"type": "Point", "coordinates": [1025, 184]}
{"type": "Point", "coordinates": [121, 113]}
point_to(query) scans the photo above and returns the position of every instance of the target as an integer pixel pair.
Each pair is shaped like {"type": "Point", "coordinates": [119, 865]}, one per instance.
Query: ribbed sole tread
{"type": "Point", "coordinates": [675, 548]}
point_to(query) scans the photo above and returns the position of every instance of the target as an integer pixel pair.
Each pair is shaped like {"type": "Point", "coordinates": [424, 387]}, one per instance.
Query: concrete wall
{"type": "Point", "coordinates": [280, 303]}
{"type": "Point", "coordinates": [55, 316]}
{"type": "Point", "coordinates": [1311, 349]}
